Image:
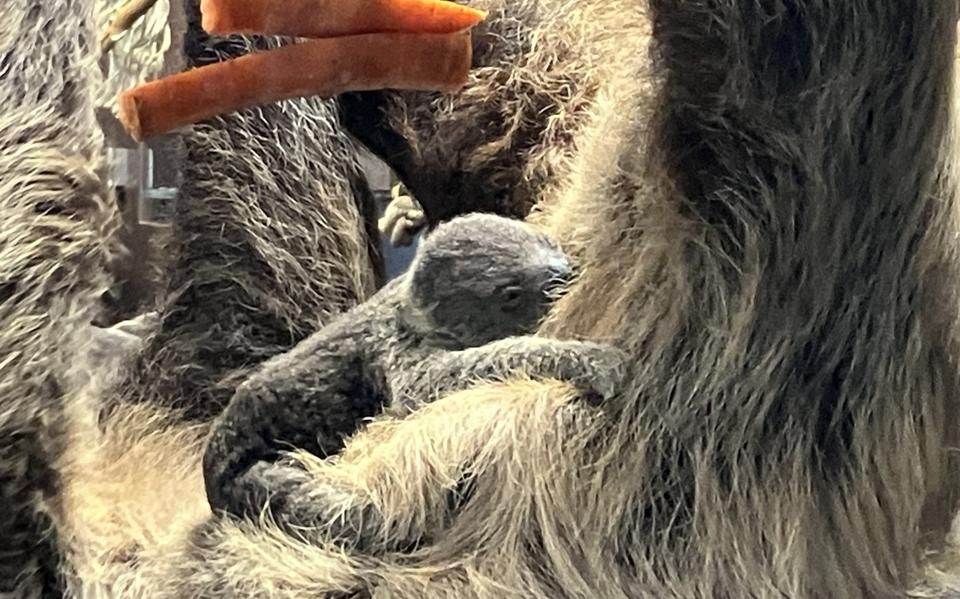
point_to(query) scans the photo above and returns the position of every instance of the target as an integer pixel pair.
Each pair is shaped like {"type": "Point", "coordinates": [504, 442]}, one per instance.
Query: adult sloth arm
{"type": "Point", "coordinates": [463, 313]}
{"type": "Point", "coordinates": [368, 500]}
{"type": "Point", "coordinates": [275, 235]}
{"type": "Point", "coordinates": [317, 395]}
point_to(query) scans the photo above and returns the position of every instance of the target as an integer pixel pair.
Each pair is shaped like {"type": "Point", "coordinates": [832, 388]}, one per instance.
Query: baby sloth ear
{"type": "Point", "coordinates": [423, 276]}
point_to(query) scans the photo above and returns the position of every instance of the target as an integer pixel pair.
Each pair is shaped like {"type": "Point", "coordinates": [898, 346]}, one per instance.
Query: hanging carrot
{"type": "Point", "coordinates": [323, 67]}
{"type": "Point", "coordinates": [331, 18]}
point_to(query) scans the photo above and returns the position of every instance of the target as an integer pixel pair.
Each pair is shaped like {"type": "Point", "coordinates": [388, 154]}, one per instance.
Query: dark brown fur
{"type": "Point", "coordinates": [538, 67]}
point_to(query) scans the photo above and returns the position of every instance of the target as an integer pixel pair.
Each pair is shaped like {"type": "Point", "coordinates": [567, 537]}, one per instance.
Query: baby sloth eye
{"type": "Point", "coordinates": [512, 298]}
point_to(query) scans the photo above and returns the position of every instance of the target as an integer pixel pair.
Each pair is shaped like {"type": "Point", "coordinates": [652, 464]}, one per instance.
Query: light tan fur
{"type": "Point", "coordinates": [633, 503]}
{"type": "Point", "coordinates": [762, 519]}
{"type": "Point", "coordinates": [565, 51]}
{"type": "Point", "coordinates": [132, 490]}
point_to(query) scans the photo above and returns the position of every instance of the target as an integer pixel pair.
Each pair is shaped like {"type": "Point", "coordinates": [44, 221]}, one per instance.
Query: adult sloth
{"type": "Point", "coordinates": [773, 246]}
{"type": "Point", "coordinates": [769, 232]}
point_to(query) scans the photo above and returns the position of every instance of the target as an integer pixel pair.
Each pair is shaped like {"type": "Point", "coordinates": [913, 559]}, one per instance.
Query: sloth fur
{"type": "Point", "coordinates": [464, 313]}
{"type": "Point", "coordinates": [56, 223]}
{"type": "Point", "coordinates": [79, 491]}
{"type": "Point", "coordinates": [763, 202]}
{"type": "Point", "coordinates": [275, 234]}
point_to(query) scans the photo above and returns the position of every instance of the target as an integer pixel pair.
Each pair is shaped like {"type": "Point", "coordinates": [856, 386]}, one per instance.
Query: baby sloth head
{"type": "Point", "coordinates": [479, 278]}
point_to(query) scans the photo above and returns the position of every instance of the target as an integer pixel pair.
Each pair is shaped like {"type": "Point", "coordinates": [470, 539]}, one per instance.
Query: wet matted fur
{"type": "Point", "coordinates": [766, 221]}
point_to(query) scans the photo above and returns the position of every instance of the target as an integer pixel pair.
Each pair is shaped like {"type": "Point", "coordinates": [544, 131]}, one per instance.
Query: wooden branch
{"type": "Point", "coordinates": [123, 19]}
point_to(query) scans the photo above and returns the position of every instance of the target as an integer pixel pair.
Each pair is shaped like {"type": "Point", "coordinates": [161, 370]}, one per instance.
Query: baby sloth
{"type": "Point", "coordinates": [465, 311]}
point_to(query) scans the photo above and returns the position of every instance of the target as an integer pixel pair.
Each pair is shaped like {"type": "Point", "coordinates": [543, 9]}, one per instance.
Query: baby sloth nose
{"type": "Point", "coordinates": [560, 273]}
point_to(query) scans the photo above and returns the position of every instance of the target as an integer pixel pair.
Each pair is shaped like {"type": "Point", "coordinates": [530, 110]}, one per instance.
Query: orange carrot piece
{"type": "Point", "coordinates": [332, 18]}
{"type": "Point", "coordinates": [324, 67]}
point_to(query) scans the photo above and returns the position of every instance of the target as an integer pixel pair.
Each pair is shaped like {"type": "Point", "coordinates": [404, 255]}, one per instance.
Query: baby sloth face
{"type": "Point", "coordinates": [479, 278]}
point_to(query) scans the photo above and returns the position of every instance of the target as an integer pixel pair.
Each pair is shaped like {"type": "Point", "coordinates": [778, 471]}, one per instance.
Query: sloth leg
{"type": "Point", "coordinates": [402, 482]}
{"type": "Point", "coordinates": [310, 399]}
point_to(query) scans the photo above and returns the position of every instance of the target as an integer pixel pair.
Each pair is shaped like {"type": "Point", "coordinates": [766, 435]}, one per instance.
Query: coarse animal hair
{"type": "Point", "coordinates": [586, 60]}
{"type": "Point", "coordinates": [303, 250]}
{"type": "Point", "coordinates": [56, 221]}
{"type": "Point", "coordinates": [543, 72]}
{"type": "Point", "coordinates": [275, 233]}
{"type": "Point", "coordinates": [464, 313]}
{"type": "Point", "coordinates": [788, 216]}
{"type": "Point", "coordinates": [765, 219]}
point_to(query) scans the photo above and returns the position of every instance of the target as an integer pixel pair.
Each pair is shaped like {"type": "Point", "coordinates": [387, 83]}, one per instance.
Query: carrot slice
{"type": "Point", "coordinates": [331, 18]}
{"type": "Point", "coordinates": [324, 67]}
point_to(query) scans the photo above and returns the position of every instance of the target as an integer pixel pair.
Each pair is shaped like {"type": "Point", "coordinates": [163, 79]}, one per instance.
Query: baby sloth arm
{"type": "Point", "coordinates": [308, 398]}
{"type": "Point", "coordinates": [305, 505]}
{"type": "Point", "coordinates": [474, 280]}
{"type": "Point", "coordinates": [594, 368]}
{"type": "Point", "coordinates": [336, 512]}
{"type": "Point", "coordinates": [404, 481]}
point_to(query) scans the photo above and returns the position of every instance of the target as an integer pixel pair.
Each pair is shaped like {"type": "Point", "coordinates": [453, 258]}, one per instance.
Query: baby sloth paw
{"type": "Point", "coordinates": [403, 219]}
{"type": "Point", "coordinates": [266, 486]}
{"type": "Point", "coordinates": [604, 370]}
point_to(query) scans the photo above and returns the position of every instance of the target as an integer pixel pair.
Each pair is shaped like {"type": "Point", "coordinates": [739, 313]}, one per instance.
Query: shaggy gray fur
{"type": "Point", "coordinates": [269, 244]}
{"type": "Point", "coordinates": [767, 224]}
{"type": "Point", "coordinates": [773, 241]}
{"type": "Point", "coordinates": [275, 233]}
{"type": "Point", "coordinates": [477, 284]}
{"type": "Point", "coordinates": [55, 223]}
{"type": "Point", "coordinates": [498, 143]}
